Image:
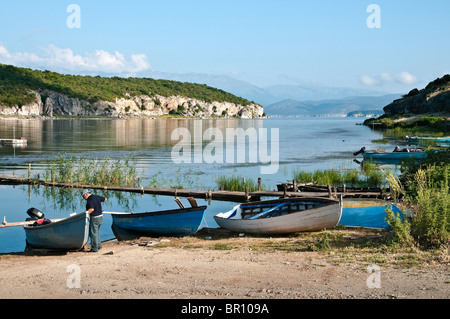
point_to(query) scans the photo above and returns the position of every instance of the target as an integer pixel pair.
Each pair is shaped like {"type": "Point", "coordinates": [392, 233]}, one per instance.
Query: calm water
{"type": "Point", "coordinates": [304, 143]}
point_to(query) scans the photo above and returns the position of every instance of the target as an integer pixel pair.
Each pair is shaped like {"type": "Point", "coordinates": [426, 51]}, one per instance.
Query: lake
{"type": "Point", "coordinates": [292, 144]}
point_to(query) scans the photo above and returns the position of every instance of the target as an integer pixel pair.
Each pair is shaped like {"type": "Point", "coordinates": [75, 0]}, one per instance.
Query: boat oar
{"type": "Point", "coordinates": [26, 223]}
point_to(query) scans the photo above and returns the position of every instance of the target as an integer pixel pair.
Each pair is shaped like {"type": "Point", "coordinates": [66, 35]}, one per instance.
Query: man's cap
{"type": "Point", "coordinates": [84, 192]}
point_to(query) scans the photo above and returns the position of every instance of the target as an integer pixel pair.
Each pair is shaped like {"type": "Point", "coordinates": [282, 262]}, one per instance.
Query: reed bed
{"type": "Point", "coordinates": [237, 184]}
{"type": "Point", "coordinates": [368, 176]}
{"type": "Point", "coordinates": [92, 171]}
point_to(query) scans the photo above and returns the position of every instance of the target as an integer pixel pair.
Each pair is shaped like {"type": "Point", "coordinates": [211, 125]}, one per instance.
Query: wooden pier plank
{"type": "Point", "coordinates": [202, 194]}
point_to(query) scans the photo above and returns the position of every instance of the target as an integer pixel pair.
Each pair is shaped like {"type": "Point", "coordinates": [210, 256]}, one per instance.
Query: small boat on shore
{"type": "Point", "coordinates": [367, 213]}
{"type": "Point", "coordinates": [68, 234]}
{"type": "Point", "coordinates": [282, 216]}
{"type": "Point", "coordinates": [176, 223]}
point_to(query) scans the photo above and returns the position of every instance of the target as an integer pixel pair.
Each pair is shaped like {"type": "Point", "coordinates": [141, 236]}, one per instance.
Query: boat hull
{"type": "Point", "coordinates": [69, 234]}
{"type": "Point", "coordinates": [315, 219]}
{"type": "Point", "coordinates": [392, 157]}
{"type": "Point", "coordinates": [439, 140]}
{"type": "Point", "coordinates": [173, 223]}
{"type": "Point", "coordinates": [367, 213]}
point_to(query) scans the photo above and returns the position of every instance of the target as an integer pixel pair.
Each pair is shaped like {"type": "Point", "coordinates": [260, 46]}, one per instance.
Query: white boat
{"type": "Point", "coordinates": [282, 216]}
{"type": "Point", "coordinates": [13, 141]}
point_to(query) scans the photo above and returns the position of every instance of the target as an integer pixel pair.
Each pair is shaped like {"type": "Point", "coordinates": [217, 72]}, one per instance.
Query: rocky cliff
{"type": "Point", "coordinates": [435, 98]}
{"type": "Point", "coordinates": [29, 92]}
{"type": "Point", "coordinates": [49, 103]}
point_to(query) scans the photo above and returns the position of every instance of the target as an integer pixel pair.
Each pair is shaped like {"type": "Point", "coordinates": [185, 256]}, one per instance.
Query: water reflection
{"type": "Point", "coordinates": [98, 134]}
{"type": "Point", "coordinates": [69, 199]}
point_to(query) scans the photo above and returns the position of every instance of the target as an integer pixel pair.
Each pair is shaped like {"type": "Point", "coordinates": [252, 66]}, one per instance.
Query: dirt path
{"type": "Point", "coordinates": [124, 270]}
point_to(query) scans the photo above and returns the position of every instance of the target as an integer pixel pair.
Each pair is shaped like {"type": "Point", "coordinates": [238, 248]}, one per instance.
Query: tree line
{"type": "Point", "coordinates": [16, 85]}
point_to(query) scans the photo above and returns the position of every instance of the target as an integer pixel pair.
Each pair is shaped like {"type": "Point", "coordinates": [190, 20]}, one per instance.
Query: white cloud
{"type": "Point", "coordinates": [369, 81]}
{"type": "Point", "coordinates": [65, 60]}
{"type": "Point", "coordinates": [406, 78]}
{"type": "Point", "coordinates": [386, 78]}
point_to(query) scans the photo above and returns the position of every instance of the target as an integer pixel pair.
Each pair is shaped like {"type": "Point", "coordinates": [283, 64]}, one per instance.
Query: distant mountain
{"type": "Point", "coordinates": [330, 107]}
{"type": "Point", "coordinates": [317, 93]}
{"type": "Point", "coordinates": [267, 95]}
{"type": "Point", "coordinates": [237, 87]}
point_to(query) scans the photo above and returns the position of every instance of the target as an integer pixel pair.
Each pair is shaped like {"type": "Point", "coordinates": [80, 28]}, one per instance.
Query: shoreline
{"type": "Point", "coordinates": [215, 265]}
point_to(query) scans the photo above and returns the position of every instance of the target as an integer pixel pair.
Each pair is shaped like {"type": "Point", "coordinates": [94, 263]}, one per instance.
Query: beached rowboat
{"type": "Point", "coordinates": [68, 234]}
{"type": "Point", "coordinates": [367, 213]}
{"type": "Point", "coordinates": [282, 216]}
{"type": "Point", "coordinates": [176, 223]}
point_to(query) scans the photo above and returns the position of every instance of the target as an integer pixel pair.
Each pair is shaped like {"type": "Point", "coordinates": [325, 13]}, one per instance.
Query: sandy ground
{"type": "Point", "coordinates": [196, 271]}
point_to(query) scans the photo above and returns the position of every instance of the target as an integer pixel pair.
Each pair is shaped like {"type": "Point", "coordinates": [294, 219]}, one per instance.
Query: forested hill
{"type": "Point", "coordinates": [434, 98]}
{"type": "Point", "coordinates": [18, 84]}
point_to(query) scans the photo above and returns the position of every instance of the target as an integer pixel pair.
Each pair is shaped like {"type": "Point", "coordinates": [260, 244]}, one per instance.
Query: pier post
{"type": "Point", "coordinates": [259, 184]}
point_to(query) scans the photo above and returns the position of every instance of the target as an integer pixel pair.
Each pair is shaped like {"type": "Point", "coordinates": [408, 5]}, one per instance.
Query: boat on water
{"type": "Point", "coordinates": [367, 213]}
{"type": "Point", "coordinates": [175, 223]}
{"type": "Point", "coordinates": [68, 234]}
{"type": "Point", "coordinates": [438, 140]}
{"type": "Point", "coordinates": [396, 156]}
{"type": "Point", "coordinates": [13, 141]}
{"type": "Point", "coordinates": [282, 216]}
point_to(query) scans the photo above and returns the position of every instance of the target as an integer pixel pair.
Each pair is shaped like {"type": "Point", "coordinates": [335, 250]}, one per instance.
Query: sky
{"type": "Point", "coordinates": [395, 47]}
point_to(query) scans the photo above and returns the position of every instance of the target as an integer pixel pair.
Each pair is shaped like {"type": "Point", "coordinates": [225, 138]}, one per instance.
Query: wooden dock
{"type": "Point", "coordinates": [220, 195]}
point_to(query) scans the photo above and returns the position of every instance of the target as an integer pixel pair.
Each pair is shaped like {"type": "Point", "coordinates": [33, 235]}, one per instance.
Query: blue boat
{"type": "Point", "coordinates": [174, 223]}
{"type": "Point", "coordinates": [394, 157]}
{"type": "Point", "coordinates": [438, 140]}
{"type": "Point", "coordinates": [68, 234]}
{"type": "Point", "coordinates": [368, 213]}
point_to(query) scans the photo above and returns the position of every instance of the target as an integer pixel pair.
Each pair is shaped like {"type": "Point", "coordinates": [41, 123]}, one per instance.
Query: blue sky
{"type": "Point", "coordinates": [264, 42]}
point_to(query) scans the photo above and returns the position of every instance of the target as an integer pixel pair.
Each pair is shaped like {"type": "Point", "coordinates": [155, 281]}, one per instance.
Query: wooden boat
{"type": "Point", "coordinates": [438, 140]}
{"type": "Point", "coordinates": [367, 213]}
{"type": "Point", "coordinates": [395, 156]}
{"type": "Point", "coordinates": [282, 216]}
{"type": "Point", "coordinates": [14, 141]}
{"type": "Point", "coordinates": [68, 234]}
{"type": "Point", "coordinates": [174, 223]}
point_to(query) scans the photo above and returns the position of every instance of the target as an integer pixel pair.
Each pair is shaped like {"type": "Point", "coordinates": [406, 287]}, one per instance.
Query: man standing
{"type": "Point", "coordinates": [94, 208]}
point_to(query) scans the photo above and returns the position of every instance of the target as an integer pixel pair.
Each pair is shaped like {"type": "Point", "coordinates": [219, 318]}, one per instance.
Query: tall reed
{"type": "Point", "coordinates": [430, 202]}
{"type": "Point", "coordinates": [92, 171]}
{"type": "Point", "coordinates": [369, 176]}
{"type": "Point", "coordinates": [237, 184]}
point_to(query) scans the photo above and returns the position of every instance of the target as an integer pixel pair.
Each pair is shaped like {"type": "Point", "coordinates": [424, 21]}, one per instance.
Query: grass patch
{"type": "Point", "coordinates": [237, 184]}
{"type": "Point", "coordinates": [338, 246]}
{"type": "Point", "coordinates": [92, 171]}
{"type": "Point", "coordinates": [368, 176]}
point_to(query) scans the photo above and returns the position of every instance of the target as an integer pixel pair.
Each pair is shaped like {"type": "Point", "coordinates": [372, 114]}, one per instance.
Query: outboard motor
{"type": "Point", "coordinates": [361, 151]}
{"type": "Point", "coordinates": [35, 214]}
